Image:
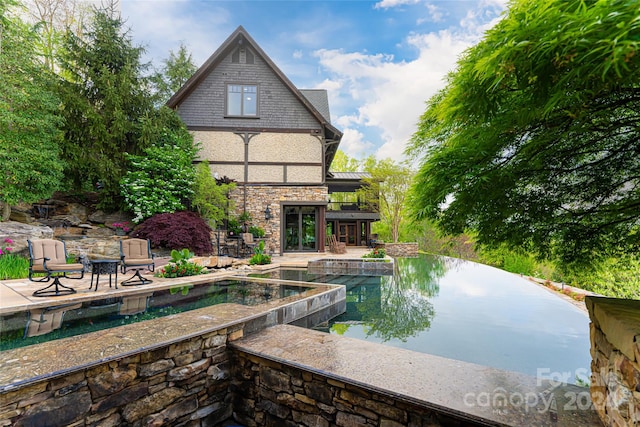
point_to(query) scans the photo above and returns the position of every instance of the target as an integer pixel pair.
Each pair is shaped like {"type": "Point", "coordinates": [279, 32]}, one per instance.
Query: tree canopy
{"type": "Point", "coordinates": [177, 69]}
{"type": "Point", "coordinates": [105, 99]}
{"type": "Point", "coordinates": [534, 142]}
{"type": "Point", "coordinates": [386, 191]}
{"type": "Point", "coordinates": [29, 135]}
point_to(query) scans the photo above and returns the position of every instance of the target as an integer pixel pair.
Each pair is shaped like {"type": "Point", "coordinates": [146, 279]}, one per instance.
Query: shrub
{"type": "Point", "coordinates": [184, 268]}
{"type": "Point", "coordinates": [376, 253]}
{"type": "Point", "coordinates": [161, 180]}
{"type": "Point", "coordinates": [209, 195]}
{"type": "Point", "coordinates": [180, 266]}
{"type": "Point", "coordinates": [234, 227]}
{"type": "Point", "coordinates": [256, 231]}
{"type": "Point", "coordinates": [259, 256]}
{"type": "Point", "coordinates": [177, 230]}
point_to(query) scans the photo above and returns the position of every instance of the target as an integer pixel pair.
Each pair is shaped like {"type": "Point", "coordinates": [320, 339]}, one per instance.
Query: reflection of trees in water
{"type": "Point", "coordinates": [399, 307]}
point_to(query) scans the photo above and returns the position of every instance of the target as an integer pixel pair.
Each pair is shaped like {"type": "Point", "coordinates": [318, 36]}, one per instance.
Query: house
{"type": "Point", "coordinates": [277, 142]}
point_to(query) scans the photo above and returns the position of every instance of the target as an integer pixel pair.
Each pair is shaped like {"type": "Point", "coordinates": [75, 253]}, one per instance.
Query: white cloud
{"type": "Point", "coordinates": [435, 14]}
{"type": "Point", "coordinates": [354, 144]}
{"type": "Point", "coordinates": [297, 54]}
{"type": "Point", "coordinates": [386, 4]}
{"type": "Point", "coordinates": [162, 25]}
{"type": "Point", "coordinates": [390, 96]}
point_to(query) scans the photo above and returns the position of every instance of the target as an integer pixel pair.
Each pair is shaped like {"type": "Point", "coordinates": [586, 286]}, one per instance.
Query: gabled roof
{"type": "Point", "coordinates": [240, 35]}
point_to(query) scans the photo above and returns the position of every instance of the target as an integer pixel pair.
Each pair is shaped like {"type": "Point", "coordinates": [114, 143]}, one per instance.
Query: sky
{"type": "Point", "coordinates": [379, 61]}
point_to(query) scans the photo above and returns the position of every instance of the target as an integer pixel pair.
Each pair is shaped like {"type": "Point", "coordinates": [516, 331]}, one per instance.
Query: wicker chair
{"type": "Point", "coordinates": [49, 256]}
{"type": "Point", "coordinates": [335, 246]}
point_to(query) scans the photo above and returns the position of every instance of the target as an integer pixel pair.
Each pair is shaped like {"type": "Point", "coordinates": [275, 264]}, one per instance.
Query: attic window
{"type": "Point", "coordinates": [242, 100]}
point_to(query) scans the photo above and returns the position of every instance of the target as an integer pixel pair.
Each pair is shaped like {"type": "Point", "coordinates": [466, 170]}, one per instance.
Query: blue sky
{"type": "Point", "coordinates": [379, 61]}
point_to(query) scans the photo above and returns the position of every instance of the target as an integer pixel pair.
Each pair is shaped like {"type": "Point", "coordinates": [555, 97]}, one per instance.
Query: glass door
{"type": "Point", "coordinates": [301, 231]}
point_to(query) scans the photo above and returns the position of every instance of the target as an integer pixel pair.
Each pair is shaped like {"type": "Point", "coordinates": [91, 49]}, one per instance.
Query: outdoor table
{"type": "Point", "coordinates": [104, 266]}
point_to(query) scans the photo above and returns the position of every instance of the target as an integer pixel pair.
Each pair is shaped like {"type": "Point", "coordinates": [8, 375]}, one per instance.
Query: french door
{"type": "Point", "coordinates": [300, 228]}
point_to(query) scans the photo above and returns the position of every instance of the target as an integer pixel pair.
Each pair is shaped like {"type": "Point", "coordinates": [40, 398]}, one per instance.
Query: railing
{"type": "Point", "coordinates": [351, 206]}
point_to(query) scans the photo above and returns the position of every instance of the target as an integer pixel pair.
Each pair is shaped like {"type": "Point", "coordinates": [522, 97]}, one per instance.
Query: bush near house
{"type": "Point", "coordinates": [176, 231]}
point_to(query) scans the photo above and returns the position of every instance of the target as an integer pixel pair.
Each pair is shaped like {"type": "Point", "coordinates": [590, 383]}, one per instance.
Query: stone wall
{"type": "Point", "coordinates": [181, 384]}
{"type": "Point", "coordinates": [360, 267]}
{"type": "Point", "coordinates": [401, 249]}
{"type": "Point", "coordinates": [259, 197]}
{"type": "Point", "coordinates": [267, 393]}
{"type": "Point", "coordinates": [615, 365]}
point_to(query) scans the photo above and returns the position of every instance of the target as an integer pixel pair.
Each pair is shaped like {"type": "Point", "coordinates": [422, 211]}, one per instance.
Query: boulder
{"type": "Point", "coordinates": [95, 248]}
{"type": "Point", "coordinates": [20, 216]}
{"type": "Point", "coordinates": [100, 217]}
{"type": "Point", "coordinates": [20, 233]}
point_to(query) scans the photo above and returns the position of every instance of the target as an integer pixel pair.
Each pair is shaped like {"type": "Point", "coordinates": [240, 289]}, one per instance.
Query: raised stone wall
{"type": "Point", "coordinates": [615, 365]}
{"type": "Point", "coordinates": [361, 267]}
{"type": "Point", "coordinates": [401, 249]}
{"type": "Point", "coordinates": [267, 393]}
{"type": "Point", "coordinates": [181, 384]}
{"type": "Point", "coordinates": [259, 197]}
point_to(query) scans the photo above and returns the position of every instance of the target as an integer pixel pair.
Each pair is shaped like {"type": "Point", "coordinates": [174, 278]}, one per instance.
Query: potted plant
{"type": "Point", "coordinates": [122, 228]}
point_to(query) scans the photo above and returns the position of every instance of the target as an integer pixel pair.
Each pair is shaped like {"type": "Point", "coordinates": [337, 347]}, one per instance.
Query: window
{"type": "Point", "coordinates": [242, 100]}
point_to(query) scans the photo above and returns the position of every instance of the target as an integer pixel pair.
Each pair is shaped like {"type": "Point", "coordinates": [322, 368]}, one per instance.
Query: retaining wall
{"type": "Point", "coordinates": [401, 249]}
{"type": "Point", "coordinates": [615, 364]}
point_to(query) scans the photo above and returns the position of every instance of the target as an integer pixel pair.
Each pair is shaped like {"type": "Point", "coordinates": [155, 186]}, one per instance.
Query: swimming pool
{"type": "Point", "coordinates": [24, 328]}
{"type": "Point", "coordinates": [465, 311]}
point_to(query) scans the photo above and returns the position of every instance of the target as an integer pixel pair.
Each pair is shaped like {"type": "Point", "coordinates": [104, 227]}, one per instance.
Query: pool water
{"type": "Point", "coordinates": [465, 311]}
{"type": "Point", "coordinates": [17, 329]}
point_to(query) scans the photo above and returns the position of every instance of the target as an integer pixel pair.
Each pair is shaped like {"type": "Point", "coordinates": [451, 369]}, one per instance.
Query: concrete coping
{"type": "Point", "coordinates": [475, 393]}
{"type": "Point", "coordinates": [27, 365]}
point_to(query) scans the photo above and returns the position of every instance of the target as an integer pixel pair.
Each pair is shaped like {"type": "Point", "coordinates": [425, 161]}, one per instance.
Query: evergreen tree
{"type": "Point", "coordinates": [29, 135]}
{"type": "Point", "coordinates": [178, 68]}
{"type": "Point", "coordinates": [105, 99]}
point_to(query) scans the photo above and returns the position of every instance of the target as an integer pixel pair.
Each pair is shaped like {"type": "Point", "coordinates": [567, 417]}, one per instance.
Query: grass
{"type": "Point", "coordinates": [13, 266]}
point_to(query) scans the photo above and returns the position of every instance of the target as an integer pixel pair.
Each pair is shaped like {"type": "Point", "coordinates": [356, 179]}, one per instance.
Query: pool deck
{"type": "Point", "coordinates": [17, 295]}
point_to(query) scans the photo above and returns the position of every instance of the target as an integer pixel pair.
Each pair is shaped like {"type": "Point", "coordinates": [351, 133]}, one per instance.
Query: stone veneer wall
{"type": "Point", "coordinates": [181, 384]}
{"type": "Point", "coordinates": [401, 249]}
{"type": "Point", "coordinates": [615, 365]}
{"type": "Point", "coordinates": [259, 197]}
{"type": "Point", "coordinates": [267, 393]}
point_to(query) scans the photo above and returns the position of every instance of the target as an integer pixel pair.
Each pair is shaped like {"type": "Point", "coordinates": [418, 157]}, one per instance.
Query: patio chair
{"type": "Point", "coordinates": [49, 256]}
{"type": "Point", "coordinates": [135, 254]}
{"type": "Point", "coordinates": [335, 246]}
{"type": "Point", "coordinates": [249, 243]}
{"type": "Point", "coordinates": [229, 246]}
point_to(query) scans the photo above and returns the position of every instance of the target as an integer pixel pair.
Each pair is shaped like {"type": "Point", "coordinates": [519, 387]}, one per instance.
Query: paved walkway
{"type": "Point", "coordinates": [17, 295]}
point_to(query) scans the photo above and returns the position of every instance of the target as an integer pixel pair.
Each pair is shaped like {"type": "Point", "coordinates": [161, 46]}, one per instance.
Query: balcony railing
{"type": "Point", "coordinates": [351, 206]}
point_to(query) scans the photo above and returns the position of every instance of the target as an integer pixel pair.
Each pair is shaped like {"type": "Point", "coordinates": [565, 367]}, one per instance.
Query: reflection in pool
{"type": "Point", "coordinates": [66, 320]}
{"type": "Point", "coordinates": [467, 311]}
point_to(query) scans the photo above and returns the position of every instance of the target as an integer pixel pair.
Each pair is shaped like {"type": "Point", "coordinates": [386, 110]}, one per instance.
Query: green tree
{"type": "Point", "coordinates": [343, 163]}
{"type": "Point", "coordinates": [161, 179]}
{"type": "Point", "coordinates": [177, 69]}
{"type": "Point", "coordinates": [29, 135]}
{"type": "Point", "coordinates": [534, 141]}
{"type": "Point", "coordinates": [209, 197]}
{"type": "Point", "coordinates": [105, 99]}
{"type": "Point", "coordinates": [386, 190]}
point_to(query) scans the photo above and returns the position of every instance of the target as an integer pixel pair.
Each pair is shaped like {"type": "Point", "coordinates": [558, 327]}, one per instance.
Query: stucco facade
{"type": "Point", "coordinates": [274, 140]}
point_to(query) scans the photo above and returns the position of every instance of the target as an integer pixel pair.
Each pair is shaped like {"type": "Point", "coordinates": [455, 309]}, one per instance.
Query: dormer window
{"type": "Point", "coordinates": [242, 100]}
